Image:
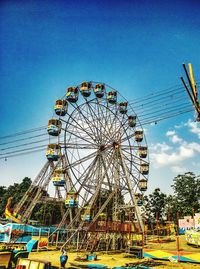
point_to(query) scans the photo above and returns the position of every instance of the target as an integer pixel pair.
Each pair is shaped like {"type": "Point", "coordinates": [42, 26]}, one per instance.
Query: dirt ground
{"type": "Point", "coordinates": [183, 246]}
{"type": "Point", "coordinates": [113, 260]}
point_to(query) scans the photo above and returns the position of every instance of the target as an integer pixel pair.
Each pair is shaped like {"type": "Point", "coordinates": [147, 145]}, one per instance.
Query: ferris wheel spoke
{"type": "Point", "coordinates": [103, 125]}
{"type": "Point", "coordinates": [111, 131]}
{"type": "Point", "coordinates": [134, 156]}
{"type": "Point", "coordinates": [87, 121]}
{"type": "Point", "coordinates": [102, 135]}
{"type": "Point", "coordinates": [122, 131]}
{"type": "Point", "coordinates": [77, 162]}
{"type": "Point", "coordinates": [106, 114]}
{"type": "Point", "coordinates": [79, 127]}
{"type": "Point", "coordinates": [106, 171]}
{"type": "Point", "coordinates": [80, 137]}
{"type": "Point", "coordinates": [94, 120]}
{"type": "Point", "coordinates": [78, 146]}
{"type": "Point", "coordinates": [126, 138]}
{"type": "Point", "coordinates": [76, 159]}
{"type": "Point", "coordinates": [138, 171]}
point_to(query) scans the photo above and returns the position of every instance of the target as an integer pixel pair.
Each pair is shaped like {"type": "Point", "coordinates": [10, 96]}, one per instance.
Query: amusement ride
{"type": "Point", "coordinates": [97, 161]}
{"type": "Point", "coordinates": [97, 166]}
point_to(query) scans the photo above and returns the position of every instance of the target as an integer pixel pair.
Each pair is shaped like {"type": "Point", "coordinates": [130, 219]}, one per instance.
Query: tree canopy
{"type": "Point", "coordinates": [159, 206]}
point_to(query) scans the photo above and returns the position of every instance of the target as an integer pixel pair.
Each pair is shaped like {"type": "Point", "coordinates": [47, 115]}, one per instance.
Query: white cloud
{"type": "Point", "coordinates": [194, 128]}
{"type": "Point", "coordinates": [162, 147]}
{"type": "Point", "coordinates": [173, 137]}
{"type": "Point", "coordinates": [175, 155]}
{"type": "Point", "coordinates": [170, 133]}
{"type": "Point", "coordinates": [179, 169]}
{"type": "Point", "coordinates": [179, 126]}
{"type": "Point", "coordinates": [176, 139]}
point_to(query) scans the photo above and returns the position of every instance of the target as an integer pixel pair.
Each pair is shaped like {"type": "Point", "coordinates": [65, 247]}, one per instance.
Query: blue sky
{"type": "Point", "coordinates": [135, 46]}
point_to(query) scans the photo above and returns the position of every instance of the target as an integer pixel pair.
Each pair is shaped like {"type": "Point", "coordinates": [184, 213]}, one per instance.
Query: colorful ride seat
{"type": "Point", "coordinates": [71, 199]}
{"type": "Point", "coordinates": [61, 107]}
{"type": "Point", "coordinates": [142, 185]}
{"type": "Point", "coordinates": [58, 181]}
{"type": "Point", "coordinates": [132, 121]}
{"type": "Point", "coordinates": [138, 136]}
{"type": "Point", "coordinates": [86, 218]}
{"type": "Point", "coordinates": [54, 127]}
{"type": "Point", "coordinates": [87, 214]}
{"type": "Point", "coordinates": [143, 152]}
{"type": "Point", "coordinates": [58, 178]}
{"type": "Point", "coordinates": [99, 90]}
{"type": "Point", "coordinates": [71, 203]}
{"type": "Point", "coordinates": [112, 97]}
{"type": "Point", "coordinates": [53, 152]}
{"type": "Point", "coordinates": [85, 88]}
{"type": "Point", "coordinates": [144, 168]}
{"type": "Point", "coordinates": [123, 107]}
{"type": "Point", "coordinates": [139, 202]}
{"type": "Point", "coordinates": [139, 199]}
{"type": "Point", "coordinates": [72, 94]}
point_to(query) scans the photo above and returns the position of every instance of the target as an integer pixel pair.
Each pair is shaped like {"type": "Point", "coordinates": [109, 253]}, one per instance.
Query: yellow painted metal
{"type": "Point", "coordinates": [194, 87]}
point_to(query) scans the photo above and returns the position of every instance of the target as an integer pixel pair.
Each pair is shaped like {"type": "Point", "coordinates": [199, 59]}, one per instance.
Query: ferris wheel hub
{"type": "Point", "coordinates": [115, 145]}
{"type": "Point", "coordinates": [102, 147]}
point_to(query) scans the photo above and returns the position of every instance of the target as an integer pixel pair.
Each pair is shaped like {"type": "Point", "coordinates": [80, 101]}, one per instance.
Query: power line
{"type": "Point", "coordinates": [20, 154]}
{"type": "Point", "coordinates": [24, 132]}
{"type": "Point", "coordinates": [145, 121]}
{"type": "Point", "coordinates": [162, 110]}
{"type": "Point", "coordinates": [22, 139]}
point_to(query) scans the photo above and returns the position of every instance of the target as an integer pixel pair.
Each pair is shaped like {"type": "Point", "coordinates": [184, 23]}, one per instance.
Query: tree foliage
{"type": "Point", "coordinates": [187, 194]}
{"type": "Point", "coordinates": [155, 205]}
{"type": "Point", "coordinates": [16, 191]}
{"type": "Point", "coordinates": [159, 206]}
{"type": "Point", "coordinates": [44, 214]}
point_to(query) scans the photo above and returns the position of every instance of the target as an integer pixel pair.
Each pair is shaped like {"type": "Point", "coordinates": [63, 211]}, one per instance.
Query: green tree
{"type": "Point", "coordinates": [155, 205]}
{"type": "Point", "coordinates": [47, 213]}
{"type": "Point", "coordinates": [187, 194]}
{"type": "Point", "coordinates": [16, 191]}
{"type": "Point", "coordinates": [3, 191]}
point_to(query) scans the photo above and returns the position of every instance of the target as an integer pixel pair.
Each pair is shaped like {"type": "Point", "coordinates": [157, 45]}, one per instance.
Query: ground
{"type": "Point", "coordinates": [112, 260]}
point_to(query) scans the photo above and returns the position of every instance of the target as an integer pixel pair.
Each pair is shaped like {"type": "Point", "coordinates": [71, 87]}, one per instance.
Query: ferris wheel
{"type": "Point", "coordinates": [105, 151]}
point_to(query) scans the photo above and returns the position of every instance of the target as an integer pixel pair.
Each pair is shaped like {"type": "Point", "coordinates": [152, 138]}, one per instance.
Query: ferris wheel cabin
{"type": "Point", "coordinates": [60, 107]}
{"type": "Point", "coordinates": [132, 121]}
{"type": "Point", "coordinates": [86, 88]}
{"type": "Point", "coordinates": [139, 199]}
{"type": "Point", "coordinates": [54, 127]}
{"type": "Point", "coordinates": [87, 214]}
{"type": "Point", "coordinates": [112, 97]}
{"type": "Point", "coordinates": [72, 94]}
{"type": "Point", "coordinates": [99, 90]}
{"type": "Point", "coordinates": [144, 169]}
{"type": "Point", "coordinates": [143, 152]}
{"type": "Point", "coordinates": [53, 152]}
{"type": "Point", "coordinates": [71, 199]}
{"type": "Point", "coordinates": [138, 136]}
{"type": "Point", "coordinates": [142, 185]}
{"type": "Point", "coordinates": [58, 177]}
{"type": "Point", "coordinates": [102, 217]}
{"type": "Point", "coordinates": [123, 107]}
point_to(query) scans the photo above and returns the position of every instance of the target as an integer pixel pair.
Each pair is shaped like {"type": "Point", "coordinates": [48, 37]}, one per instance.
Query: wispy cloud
{"type": "Point", "coordinates": [174, 137]}
{"type": "Point", "coordinates": [176, 150]}
{"type": "Point", "coordinates": [179, 169]}
{"type": "Point", "coordinates": [193, 127]}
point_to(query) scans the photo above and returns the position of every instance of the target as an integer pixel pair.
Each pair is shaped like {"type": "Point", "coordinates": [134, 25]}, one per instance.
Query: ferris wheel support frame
{"type": "Point", "coordinates": [131, 194]}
